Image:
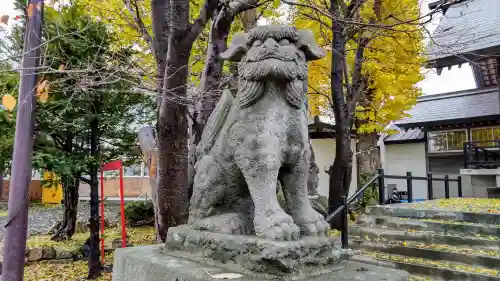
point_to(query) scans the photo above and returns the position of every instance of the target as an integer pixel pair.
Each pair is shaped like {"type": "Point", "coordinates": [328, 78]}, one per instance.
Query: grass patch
{"type": "Point", "coordinates": [47, 271]}
{"type": "Point", "coordinates": [432, 263]}
{"type": "Point", "coordinates": [137, 236]}
{"type": "Point", "coordinates": [471, 205]}
{"type": "Point", "coordinates": [3, 213]}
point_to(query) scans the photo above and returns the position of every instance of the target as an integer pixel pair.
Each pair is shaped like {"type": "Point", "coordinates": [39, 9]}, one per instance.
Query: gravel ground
{"type": "Point", "coordinates": [41, 219]}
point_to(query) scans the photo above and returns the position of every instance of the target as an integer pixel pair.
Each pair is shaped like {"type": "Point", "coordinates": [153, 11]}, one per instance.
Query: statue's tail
{"type": "Point", "coordinates": [214, 124]}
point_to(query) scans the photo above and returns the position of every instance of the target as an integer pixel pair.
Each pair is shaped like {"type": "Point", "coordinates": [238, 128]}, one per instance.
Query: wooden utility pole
{"type": "Point", "coordinates": [17, 225]}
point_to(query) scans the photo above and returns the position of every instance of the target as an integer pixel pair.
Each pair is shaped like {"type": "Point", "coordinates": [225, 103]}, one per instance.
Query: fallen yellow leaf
{"type": "Point", "coordinates": [40, 87]}
{"type": "Point", "coordinates": [43, 97]}
{"type": "Point", "coordinates": [4, 19]}
{"type": "Point", "coordinates": [9, 102]}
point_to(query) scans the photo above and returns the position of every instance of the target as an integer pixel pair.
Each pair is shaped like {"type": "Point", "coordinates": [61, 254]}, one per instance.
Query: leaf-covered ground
{"type": "Point", "coordinates": [49, 271]}
{"type": "Point", "coordinates": [472, 205]}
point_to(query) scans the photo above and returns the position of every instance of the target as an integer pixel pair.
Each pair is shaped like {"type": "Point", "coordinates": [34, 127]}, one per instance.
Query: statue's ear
{"type": "Point", "coordinates": [307, 44]}
{"type": "Point", "coordinates": [237, 49]}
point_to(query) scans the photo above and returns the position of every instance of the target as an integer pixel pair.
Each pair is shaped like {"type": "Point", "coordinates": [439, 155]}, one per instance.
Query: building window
{"type": "Point", "coordinates": [484, 135]}
{"type": "Point", "coordinates": [446, 141]}
{"type": "Point", "coordinates": [134, 170]}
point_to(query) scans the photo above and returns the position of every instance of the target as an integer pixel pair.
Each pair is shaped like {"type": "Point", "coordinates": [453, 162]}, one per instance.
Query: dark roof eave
{"type": "Point", "coordinates": [448, 122]}
{"type": "Point", "coordinates": [455, 59]}
{"type": "Point", "coordinates": [389, 142]}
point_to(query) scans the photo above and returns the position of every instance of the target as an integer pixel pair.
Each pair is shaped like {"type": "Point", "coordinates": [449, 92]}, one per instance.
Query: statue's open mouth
{"type": "Point", "coordinates": [270, 56]}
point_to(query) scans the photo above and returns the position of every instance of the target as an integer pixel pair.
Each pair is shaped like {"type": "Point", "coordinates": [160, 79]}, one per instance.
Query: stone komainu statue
{"type": "Point", "coordinates": [261, 136]}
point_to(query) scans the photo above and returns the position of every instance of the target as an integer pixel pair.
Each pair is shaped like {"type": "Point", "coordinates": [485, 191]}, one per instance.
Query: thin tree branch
{"type": "Point", "coordinates": [139, 24]}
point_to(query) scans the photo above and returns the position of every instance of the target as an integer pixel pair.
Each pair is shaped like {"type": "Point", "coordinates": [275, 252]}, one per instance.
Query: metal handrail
{"type": "Point", "coordinates": [354, 197]}
{"type": "Point", "coordinates": [381, 176]}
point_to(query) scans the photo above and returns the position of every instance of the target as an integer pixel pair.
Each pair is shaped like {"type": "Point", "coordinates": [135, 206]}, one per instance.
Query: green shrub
{"type": "Point", "coordinates": [140, 213]}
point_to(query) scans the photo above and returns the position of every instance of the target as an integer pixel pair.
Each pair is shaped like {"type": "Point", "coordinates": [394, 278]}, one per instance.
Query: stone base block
{"type": "Point", "coordinates": [309, 254]}
{"type": "Point", "coordinates": [150, 263]}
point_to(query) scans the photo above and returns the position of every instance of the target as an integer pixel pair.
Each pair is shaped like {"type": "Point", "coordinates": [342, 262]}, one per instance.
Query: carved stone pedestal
{"type": "Point", "coordinates": [151, 263]}
{"type": "Point", "coordinates": [191, 255]}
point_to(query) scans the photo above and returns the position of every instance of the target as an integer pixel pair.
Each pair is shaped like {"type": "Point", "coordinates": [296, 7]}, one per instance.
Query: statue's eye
{"type": "Point", "coordinates": [284, 42]}
{"type": "Point", "coordinates": [257, 43]}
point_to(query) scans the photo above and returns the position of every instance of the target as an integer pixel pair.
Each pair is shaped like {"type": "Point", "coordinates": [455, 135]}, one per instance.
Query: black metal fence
{"type": "Point", "coordinates": [482, 154]}
{"type": "Point", "coordinates": [429, 179]}
{"type": "Point", "coordinates": [380, 176]}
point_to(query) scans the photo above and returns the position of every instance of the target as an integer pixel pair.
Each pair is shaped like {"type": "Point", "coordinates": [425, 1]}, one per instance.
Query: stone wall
{"type": "Point", "coordinates": [35, 190]}
{"type": "Point", "coordinates": [132, 187]}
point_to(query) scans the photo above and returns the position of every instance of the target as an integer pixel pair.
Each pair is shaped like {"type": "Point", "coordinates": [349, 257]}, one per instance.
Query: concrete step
{"type": "Point", "coordinates": [410, 211]}
{"type": "Point", "coordinates": [446, 227]}
{"type": "Point", "coordinates": [470, 256]}
{"type": "Point", "coordinates": [452, 271]}
{"type": "Point", "coordinates": [383, 235]}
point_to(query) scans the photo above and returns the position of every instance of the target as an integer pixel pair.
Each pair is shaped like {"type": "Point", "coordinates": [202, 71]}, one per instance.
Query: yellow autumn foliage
{"type": "Point", "coordinates": [392, 60]}
{"type": "Point", "coordinates": [120, 19]}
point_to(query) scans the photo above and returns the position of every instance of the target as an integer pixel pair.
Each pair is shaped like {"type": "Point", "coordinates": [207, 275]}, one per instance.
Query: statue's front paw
{"type": "Point", "coordinates": [312, 223]}
{"type": "Point", "coordinates": [276, 226]}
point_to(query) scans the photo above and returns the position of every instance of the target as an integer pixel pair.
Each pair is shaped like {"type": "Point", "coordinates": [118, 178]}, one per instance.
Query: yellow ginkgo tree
{"type": "Point", "coordinates": [368, 78]}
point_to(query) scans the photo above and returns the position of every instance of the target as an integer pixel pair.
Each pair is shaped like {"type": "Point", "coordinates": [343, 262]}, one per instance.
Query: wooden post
{"type": "Point", "coordinates": [409, 186]}
{"type": "Point", "coordinates": [17, 222]}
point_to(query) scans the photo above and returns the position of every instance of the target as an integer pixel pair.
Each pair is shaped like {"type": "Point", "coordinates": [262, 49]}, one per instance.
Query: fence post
{"type": "Point", "coordinates": [409, 186]}
{"type": "Point", "coordinates": [446, 187]}
{"type": "Point", "coordinates": [345, 224]}
{"type": "Point", "coordinates": [459, 178]}
{"type": "Point", "coordinates": [466, 155]}
{"type": "Point", "coordinates": [381, 187]}
{"type": "Point", "coordinates": [430, 190]}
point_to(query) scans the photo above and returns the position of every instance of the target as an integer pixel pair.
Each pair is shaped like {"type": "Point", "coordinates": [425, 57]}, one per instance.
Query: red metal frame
{"type": "Point", "coordinates": [113, 165]}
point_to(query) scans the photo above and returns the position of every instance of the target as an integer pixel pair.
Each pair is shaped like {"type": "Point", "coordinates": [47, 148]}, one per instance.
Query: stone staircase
{"type": "Point", "coordinates": [435, 245]}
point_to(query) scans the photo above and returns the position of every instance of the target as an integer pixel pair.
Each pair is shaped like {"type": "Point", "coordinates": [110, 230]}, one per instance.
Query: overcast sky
{"type": "Point", "coordinates": [449, 80]}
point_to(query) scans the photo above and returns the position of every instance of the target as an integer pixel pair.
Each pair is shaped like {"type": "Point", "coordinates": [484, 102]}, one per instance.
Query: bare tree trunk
{"type": "Point", "coordinates": [172, 120]}
{"type": "Point", "coordinates": [173, 139]}
{"type": "Point", "coordinates": [368, 156]}
{"type": "Point", "coordinates": [340, 170]}
{"type": "Point", "coordinates": [160, 14]}
{"type": "Point", "coordinates": [211, 76]}
{"type": "Point", "coordinates": [210, 85]}
{"type": "Point", "coordinates": [68, 223]}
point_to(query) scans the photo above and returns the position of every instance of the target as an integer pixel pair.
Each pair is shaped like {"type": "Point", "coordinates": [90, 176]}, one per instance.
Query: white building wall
{"type": "Point", "coordinates": [397, 159]}
{"type": "Point", "coordinates": [324, 151]}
